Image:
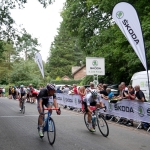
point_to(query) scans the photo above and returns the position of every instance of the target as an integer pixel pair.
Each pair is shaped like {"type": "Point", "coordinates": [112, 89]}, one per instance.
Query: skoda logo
{"type": "Point", "coordinates": [95, 63]}
{"type": "Point", "coordinates": [141, 111]}
{"type": "Point", "coordinates": [119, 14]}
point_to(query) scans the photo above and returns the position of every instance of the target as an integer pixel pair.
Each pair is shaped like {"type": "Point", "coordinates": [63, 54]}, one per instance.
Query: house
{"type": "Point", "coordinates": [65, 78]}
{"type": "Point", "coordinates": [79, 72]}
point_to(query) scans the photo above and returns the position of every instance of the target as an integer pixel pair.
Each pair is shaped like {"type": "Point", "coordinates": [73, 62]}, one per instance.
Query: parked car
{"type": "Point", "coordinates": [114, 89]}
{"type": "Point", "coordinates": [59, 87]}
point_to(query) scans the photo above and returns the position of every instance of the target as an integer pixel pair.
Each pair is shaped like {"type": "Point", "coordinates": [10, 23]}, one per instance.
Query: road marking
{"type": "Point", "coordinates": [9, 116]}
{"type": "Point", "coordinates": [37, 116]}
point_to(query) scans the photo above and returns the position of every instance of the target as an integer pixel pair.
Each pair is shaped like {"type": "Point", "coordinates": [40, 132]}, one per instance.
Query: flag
{"type": "Point", "coordinates": [38, 59]}
{"type": "Point", "coordinates": [127, 19]}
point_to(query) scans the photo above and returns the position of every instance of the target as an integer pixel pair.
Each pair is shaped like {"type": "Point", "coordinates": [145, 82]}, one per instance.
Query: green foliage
{"type": "Point", "coordinates": [27, 44]}
{"type": "Point", "coordinates": [64, 53]}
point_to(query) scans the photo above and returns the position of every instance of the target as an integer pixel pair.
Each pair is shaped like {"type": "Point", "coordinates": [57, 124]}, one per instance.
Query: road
{"type": "Point", "coordinates": [19, 132]}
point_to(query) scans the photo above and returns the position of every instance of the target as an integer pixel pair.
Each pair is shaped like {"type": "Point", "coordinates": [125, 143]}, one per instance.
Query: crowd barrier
{"type": "Point", "coordinates": [130, 109]}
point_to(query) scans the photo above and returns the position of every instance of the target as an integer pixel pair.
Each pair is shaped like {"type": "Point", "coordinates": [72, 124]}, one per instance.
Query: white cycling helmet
{"type": "Point", "coordinates": [94, 93]}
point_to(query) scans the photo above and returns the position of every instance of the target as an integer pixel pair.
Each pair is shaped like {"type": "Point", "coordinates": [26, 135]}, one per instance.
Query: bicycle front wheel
{"type": "Point", "coordinates": [86, 121]}
{"type": "Point", "coordinates": [51, 132]}
{"type": "Point", "coordinates": [103, 126]}
{"type": "Point", "coordinates": [23, 111]}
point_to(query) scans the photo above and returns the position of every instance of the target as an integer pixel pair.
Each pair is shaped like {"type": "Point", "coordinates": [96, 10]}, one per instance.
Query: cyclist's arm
{"type": "Point", "coordinates": [55, 103]}
{"type": "Point", "coordinates": [40, 105]}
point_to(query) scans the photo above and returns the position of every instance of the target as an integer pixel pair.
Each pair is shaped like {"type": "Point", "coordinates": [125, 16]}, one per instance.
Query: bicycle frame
{"type": "Point", "coordinates": [45, 127]}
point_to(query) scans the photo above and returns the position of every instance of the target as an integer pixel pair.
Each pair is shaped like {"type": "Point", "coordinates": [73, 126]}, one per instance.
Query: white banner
{"type": "Point", "coordinates": [38, 59]}
{"type": "Point", "coordinates": [130, 109]}
{"type": "Point", "coordinates": [127, 19]}
{"type": "Point", "coordinates": [69, 100]}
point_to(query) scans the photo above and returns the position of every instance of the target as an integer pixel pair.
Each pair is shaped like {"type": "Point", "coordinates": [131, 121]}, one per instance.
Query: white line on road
{"type": "Point", "coordinates": [36, 116]}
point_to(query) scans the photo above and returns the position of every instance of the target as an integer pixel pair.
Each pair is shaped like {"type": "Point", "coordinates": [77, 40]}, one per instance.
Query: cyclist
{"type": "Point", "coordinates": [46, 97]}
{"type": "Point", "coordinates": [22, 94]}
{"type": "Point", "coordinates": [92, 99]}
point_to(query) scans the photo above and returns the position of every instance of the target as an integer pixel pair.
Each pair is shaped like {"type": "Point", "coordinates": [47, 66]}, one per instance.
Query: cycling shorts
{"type": "Point", "coordinates": [91, 104]}
{"type": "Point", "coordinates": [45, 103]}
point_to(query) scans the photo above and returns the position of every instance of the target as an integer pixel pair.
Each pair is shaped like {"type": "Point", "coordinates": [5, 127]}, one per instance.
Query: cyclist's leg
{"type": "Point", "coordinates": [90, 118]}
{"type": "Point", "coordinates": [40, 118]}
{"type": "Point", "coordinates": [20, 101]}
{"type": "Point", "coordinates": [88, 113]}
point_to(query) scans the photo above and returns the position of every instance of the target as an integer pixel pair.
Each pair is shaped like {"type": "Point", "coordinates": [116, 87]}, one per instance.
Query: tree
{"type": "Point", "coordinates": [27, 45]}
{"type": "Point", "coordinates": [64, 53]}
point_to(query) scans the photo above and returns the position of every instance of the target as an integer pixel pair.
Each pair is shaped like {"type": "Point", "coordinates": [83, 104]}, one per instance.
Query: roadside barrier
{"type": "Point", "coordinates": [130, 109]}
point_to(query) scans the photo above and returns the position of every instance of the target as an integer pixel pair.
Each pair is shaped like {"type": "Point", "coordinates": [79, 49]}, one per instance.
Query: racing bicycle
{"type": "Point", "coordinates": [49, 125]}
{"type": "Point", "coordinates": [98, 120]}
{"type": "Point", "coordinates": [22, 105]}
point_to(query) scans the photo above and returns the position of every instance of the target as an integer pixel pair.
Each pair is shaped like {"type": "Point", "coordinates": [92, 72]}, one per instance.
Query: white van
{"type": "Point", "coordinates": [140, 78]}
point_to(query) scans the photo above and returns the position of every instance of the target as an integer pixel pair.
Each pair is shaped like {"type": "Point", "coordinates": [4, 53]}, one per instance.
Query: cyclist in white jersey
{"type": "Point", "coordinates": [92, 99]}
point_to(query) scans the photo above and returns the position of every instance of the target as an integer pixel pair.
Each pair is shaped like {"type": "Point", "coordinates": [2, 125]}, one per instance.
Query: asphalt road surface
{"type": "Point", "coordinates": [19, 132]}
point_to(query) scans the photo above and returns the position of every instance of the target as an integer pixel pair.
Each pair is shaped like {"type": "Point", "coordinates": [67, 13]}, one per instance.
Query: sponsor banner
{"type": "Point", "coordinates": [69, 100]}
{"type": "Point", "coordinates": [130, 109]}
{"type": "Point", "coordinates": [127, 19]}
{"type": "Point", "coordinates": [38, 59]}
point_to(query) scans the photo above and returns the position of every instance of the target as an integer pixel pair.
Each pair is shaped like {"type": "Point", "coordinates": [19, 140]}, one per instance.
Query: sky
{"type": "Point", "coordinates": [41, 23]}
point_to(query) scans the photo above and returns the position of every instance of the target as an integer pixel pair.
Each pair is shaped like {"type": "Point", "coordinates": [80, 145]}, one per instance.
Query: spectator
{"type": "Point", "coordinates": [131, 93]}
{"type": "Point", "coordinates": [14, 93]}
{"type": "Point", "coordinates": [124, 90]}
{"type": "Point", "coordinates": [103, 91]}
{"type": "Point", "coordinates": [1, 92]}
{"type": "Point", "coordinates": [58, 90]}
{"type": "Point", "coordinates": [82, 93]}
{"type": "Point", "coordinates": [74, 90]}
{"type": "Point", "coordinates": [110, 94]}
{"type": "Point", "coordinates": [90, 88]}
{"type": "Point", "coordinates": [139, 94]}
{"type": "Point", "coordinates": [9, 92]}
{"type": "Point", "coordinates": [66, 91]}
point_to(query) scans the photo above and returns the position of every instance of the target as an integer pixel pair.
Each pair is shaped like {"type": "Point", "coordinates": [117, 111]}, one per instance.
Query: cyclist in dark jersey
{"type": "Point", "coordinates": [46, 97]}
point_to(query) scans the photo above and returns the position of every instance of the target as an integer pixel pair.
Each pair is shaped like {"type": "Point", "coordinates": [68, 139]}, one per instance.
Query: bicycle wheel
{"type": "Point", "coordinates": [51, 133]}
{"type": "Point", "coordinates": [102, 125]}
{"type": "Point", "coordinates": [23, 107]}
{"type": "Point", "coordinates": [86, 121]}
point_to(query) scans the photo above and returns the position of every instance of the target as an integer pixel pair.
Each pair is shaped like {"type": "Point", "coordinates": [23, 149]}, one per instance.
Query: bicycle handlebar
{"type": "Point", "coordinates": [51, 108]}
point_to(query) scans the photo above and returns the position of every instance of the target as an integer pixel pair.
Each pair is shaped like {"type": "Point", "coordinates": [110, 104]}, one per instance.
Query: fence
{"type": "Point", "coordinates": [130, 109]}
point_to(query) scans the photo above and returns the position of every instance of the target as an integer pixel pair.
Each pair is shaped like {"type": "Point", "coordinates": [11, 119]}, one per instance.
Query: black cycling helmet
{"type": "Point", "coordinates": [94, 93]}
{"type": "Point", "coordinates": [50, 86]}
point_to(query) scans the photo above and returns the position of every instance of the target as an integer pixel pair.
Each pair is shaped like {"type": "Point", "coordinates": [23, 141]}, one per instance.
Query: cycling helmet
{"type": "Point", "coordinates": [50, 86]}
{"type": "Point", "coordinates": [94, 93]}
{"type": "Point", "coordinates": [21, 86]}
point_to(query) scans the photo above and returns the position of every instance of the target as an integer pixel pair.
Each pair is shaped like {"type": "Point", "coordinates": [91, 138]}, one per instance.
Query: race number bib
{"type": "Point", "coordinates": [50, 100]}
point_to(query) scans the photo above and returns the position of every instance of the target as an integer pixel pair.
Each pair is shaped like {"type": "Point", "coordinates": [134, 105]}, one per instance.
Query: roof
{"type": "Point", "coordinates": [65, 77]}
{"type": "Point", "coordinates": [78, 69]}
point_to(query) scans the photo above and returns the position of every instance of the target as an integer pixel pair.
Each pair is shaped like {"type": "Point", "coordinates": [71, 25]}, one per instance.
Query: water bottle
{"type": "Point", "coordinates": [93, 120]}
